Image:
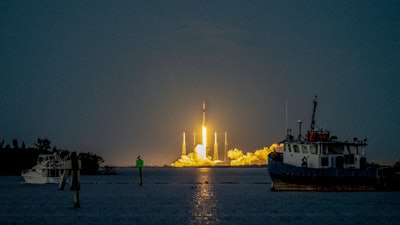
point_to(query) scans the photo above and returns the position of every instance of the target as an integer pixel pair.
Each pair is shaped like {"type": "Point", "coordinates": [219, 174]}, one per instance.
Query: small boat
{"type": "Point", "coordinates": [320, 162]}
{"type": "Point", "coordinates": [48, 169]}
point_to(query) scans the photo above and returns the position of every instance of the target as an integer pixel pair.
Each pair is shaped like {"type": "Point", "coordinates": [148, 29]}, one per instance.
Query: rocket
{"type": "Point", "coordinates": [203, 127]}
{"type": "Point", "coordinates": [204, 114]}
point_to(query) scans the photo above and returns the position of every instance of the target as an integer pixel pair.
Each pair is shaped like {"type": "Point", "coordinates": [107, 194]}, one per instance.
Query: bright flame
{"type": "Point", "coordinates": [237, 157]}
{"type": "Point", "coordinates": [259, 157]}
{"type": "Point", "coordinates": [201, 152]}
{"type": "Point", "coordinates": [204, 133]}
{"type": "Point", "coordinates": [198, 157]}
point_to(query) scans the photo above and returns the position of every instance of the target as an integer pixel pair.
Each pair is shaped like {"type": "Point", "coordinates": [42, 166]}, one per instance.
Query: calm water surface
{"type": "Point", "coordinates": [190, 196]}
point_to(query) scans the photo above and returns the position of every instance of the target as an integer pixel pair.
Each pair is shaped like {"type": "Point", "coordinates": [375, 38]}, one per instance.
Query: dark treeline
{"type": "Point", "coordinates": [15, 157]}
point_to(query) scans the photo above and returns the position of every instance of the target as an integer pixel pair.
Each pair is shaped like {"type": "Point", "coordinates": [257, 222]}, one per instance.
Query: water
{"type": "Point", "coordinates": [190, 196]}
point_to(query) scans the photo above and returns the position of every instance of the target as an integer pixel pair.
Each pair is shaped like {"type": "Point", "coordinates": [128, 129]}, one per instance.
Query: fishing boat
{"type": "Point", "coordinates": [48, 169]}
{"type": "Point", "coordinates": [320, 162]}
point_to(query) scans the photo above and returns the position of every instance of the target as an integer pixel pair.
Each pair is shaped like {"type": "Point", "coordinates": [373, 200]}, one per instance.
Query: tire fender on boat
{"type": "Point", "coordinates": [304, 162]}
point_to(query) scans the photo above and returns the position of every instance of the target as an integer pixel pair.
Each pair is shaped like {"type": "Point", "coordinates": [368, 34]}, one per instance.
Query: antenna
{"type": "Point", "coordinates": [299, 121]}
{"type": "Point", "coordinates": [286, 115]}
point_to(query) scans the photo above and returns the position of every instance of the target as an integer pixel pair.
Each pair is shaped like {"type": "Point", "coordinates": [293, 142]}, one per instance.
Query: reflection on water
{"type": "Point", "coordinates": [204, 202]}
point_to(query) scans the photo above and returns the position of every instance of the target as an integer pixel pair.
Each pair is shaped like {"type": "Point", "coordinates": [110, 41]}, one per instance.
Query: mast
{"type": "Point", "coordinates": [316, 135]}
{"type": "Point", "coordinates": [312, 126]}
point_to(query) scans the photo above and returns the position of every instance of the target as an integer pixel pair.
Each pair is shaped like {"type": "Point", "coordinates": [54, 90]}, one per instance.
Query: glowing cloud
{"type": "Point", "coordinates": [237, 157]}
{"type": "Point", "coordinates": [199, 156]}
{"type": "Point", "coordinates": [259, 157]}
{"type": "Point", "coordinates": [196, 158]}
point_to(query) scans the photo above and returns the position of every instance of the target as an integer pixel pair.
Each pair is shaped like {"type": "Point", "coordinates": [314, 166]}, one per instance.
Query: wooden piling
{"type": "Point", "coordinates": [72, 166]}
{"type": "Point", "coordinates": [75, 183]}
{"type": "Point", "coordinates": [140, 177]}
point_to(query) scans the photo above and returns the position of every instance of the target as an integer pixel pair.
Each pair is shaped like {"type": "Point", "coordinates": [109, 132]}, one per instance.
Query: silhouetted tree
{"type": "Point", "coordinates": [397, 165]}
{"type": "Point", "coordinates": [15, 144]}
{"type": "Point", "coordinates": [90, 162]}
{"type": "Point", "coordinates": [14, 158]}
{"type": "Point", "coordinates": [43, 144]}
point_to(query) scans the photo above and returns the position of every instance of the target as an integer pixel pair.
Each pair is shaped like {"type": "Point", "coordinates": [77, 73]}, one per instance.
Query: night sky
{"type": "Point", "coordinates": [122, 78]}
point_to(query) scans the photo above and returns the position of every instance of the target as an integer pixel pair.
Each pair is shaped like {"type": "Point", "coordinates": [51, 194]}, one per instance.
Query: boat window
{"type": "Point", "coordinates": [335, 149]}
{"type": "Point", "coordinates": [288, 147]}
{"type": "Point", "coordinates": [304, 149]}
{"type": "Point", "coordinates": [313, 149]}
{"type": "Point", "coordinates": [324, 161]}
{"type": "Point", "coordinates": [324, 149]}
{"type": "Point", "coordinates": [356, 150]}
{"type": "Point", "coordinates": [296, 148]}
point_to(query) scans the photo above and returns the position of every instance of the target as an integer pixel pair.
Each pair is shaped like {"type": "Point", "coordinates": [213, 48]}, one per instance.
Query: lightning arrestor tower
{"type": "Point", "coordinates": [226, 145]}
{"type": "Point", "coordinates": [184, 144]}
{"type": "Point", "coordinates": [215, 147]}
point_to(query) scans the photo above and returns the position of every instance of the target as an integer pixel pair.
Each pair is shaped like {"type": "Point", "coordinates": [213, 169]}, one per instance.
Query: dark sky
{"type": "Point", "coordinates": [119, 78]}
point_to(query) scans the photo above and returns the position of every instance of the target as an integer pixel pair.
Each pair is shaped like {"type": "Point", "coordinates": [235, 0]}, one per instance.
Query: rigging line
{"type": "Point", "coordinates": [286, 116]}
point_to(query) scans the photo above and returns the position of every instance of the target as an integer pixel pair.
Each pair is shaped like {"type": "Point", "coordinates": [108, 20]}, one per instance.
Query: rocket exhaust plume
{"type": "Point", "coordinates": [259, 157]}
{"type": "Point", "coordinates": [201, 150]}
{"type": "Point", "coordinates": [199, 156]}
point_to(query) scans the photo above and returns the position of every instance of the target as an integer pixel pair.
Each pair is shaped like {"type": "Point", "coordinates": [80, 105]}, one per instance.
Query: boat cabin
{"type": "Point", "coordinates": [46, 157]}
{"type": "Point", "coordinates": [325, 153]}
{"type": "Point", "coordinates": [321, 150]}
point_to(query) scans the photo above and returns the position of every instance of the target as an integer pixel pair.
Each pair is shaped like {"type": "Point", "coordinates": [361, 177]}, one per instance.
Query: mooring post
{"type": "Point", "coordinates": [139, 164]}
{"type": "Point", "coordinates": [75, 183]}
{"type": "Point", "coordinates": [65, 174]}
{"type": "Point", "coordinates": [72, 166]}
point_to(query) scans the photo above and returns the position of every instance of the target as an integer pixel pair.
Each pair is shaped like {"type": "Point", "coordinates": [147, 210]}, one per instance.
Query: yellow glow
{"type": "Point", "coordinates": [201, 152]}
{"type": "Point", "coordinates": [204, 204]}
{"type": "Point", "coordinates": [199, 157]}
{"type": "Point", "coordinates": [237, 157]}
{"type": "Point", "coordinates": [204, 133]}
{"type": "Point", "coordinates": [259, 157]}
{"type": "Point", "coordinates": [196, 158]}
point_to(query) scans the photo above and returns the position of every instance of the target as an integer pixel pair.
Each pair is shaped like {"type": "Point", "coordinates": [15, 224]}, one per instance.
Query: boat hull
{"type": "Point", "coordinates": [291, 178]}
{"type": "Point", "coordinates": [33, 177]}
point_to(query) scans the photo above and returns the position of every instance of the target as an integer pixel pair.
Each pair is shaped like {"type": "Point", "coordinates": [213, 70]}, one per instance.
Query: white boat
{"type": "Point", "coordinates": [48, 169]}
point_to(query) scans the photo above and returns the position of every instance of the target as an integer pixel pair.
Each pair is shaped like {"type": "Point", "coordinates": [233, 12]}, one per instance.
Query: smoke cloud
{"type": "Point", "coordinates": [196, 158]}
{"type": "Point", "coordinates": [236, 156]}
{"type": "Point", "coordinates": [259, 157]}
